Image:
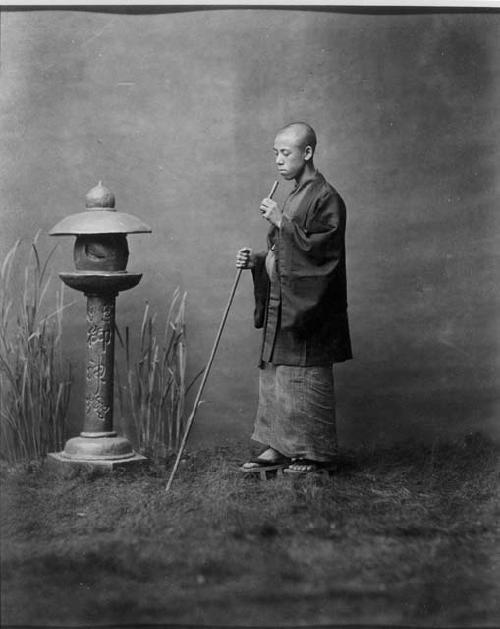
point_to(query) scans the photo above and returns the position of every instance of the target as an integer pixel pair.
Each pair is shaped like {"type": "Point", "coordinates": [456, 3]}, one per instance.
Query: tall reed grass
{"type": "Point", "coordinates": [35, 383]}
{"type": "Point", "coordinates": [153, 389]}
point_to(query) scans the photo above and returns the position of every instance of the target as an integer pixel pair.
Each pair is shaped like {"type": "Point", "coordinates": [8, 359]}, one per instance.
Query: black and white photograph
{"type": "Point", "coordinates": [249, 315]}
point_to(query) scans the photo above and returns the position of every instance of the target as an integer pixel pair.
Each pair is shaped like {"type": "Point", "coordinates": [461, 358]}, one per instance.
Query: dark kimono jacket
{"type": "Point", "coordinates": [303, 309]}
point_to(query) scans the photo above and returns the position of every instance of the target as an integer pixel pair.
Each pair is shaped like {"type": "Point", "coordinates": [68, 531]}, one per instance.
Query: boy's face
{"type": "Point", "coordinates": [290, 155]}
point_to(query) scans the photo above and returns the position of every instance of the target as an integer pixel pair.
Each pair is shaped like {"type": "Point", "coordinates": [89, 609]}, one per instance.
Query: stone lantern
{"type": "Point", "coordinates": [100, 255]}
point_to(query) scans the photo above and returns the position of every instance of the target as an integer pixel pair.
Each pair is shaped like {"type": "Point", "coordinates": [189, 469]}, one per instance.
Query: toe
{"type": "Point", "coordinates": [249, 465]}
{"type": "Point", "coordinates": [302, 466]}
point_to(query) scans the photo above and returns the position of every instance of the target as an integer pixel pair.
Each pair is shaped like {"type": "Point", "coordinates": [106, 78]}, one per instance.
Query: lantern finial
{"type": "Point", "coordinates": [100, 198]}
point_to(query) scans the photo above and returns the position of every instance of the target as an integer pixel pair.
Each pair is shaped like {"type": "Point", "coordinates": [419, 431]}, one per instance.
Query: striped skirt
{"type": "Point", "coordinates": [296, 411]}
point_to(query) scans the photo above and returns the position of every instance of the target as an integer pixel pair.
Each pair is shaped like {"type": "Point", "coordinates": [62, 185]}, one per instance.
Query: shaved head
{"type": "Point", "coordinates": [294, 150]}
{"type": "Point", "coordinates": [302, 133]}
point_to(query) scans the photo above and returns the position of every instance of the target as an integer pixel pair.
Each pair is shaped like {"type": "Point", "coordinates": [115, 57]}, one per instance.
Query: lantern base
{"type": "Point", "coordinates": [59, 461]}
{"type": "Point", "coordinates": [105, 451]}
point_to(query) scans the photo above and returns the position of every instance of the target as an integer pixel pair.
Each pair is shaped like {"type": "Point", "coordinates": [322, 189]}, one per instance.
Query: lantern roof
{"type": "Point", "coordinates": [100, 217]}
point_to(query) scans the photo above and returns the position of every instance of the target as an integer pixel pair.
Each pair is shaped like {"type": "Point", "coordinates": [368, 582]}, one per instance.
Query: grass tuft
{"type": "Point", "coordinates": [34, 381]}
{"type": "Point", "coordinates": [152, 391]}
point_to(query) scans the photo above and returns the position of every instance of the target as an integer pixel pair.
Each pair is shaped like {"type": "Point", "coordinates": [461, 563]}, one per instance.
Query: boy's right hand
{"type": "Point", "coordinates": [245, 258]}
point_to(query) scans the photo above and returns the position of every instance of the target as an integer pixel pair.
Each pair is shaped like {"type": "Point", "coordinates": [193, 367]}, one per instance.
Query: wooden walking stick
{"type": "Point", "coordinates": [207, 368]}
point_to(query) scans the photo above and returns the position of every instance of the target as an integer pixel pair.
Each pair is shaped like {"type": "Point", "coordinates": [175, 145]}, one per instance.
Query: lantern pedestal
{"type": "Point", "coordinates": [101, 254]}
{"type": "Point", "coordinates": [60, 460]}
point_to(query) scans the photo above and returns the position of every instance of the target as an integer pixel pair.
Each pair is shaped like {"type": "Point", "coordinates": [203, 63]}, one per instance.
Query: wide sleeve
{"type": "Point", "coordinates": [310, 252]}
{"type": "Point", "coordinates": [260, 288]}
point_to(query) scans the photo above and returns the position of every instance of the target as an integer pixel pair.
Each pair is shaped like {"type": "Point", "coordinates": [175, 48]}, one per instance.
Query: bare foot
{"type": "Point", "coordinates": [305, 466]}
{"type": "Point", "coordinates": [301, 466]}
{"type": "Point", "coordinates": [269, 457]}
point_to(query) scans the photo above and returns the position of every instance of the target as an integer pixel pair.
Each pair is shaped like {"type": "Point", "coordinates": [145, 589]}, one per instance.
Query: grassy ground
{"type": "Point", "coordinates": [403, 536]}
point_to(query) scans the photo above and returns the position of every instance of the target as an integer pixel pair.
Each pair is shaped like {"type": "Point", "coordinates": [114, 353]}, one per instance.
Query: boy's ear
{"type": "Point", "coordinates": [308, 153]}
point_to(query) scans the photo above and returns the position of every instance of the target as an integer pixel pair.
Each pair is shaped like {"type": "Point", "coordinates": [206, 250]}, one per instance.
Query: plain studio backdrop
{"type": "Point", "coordinates": [176, 112]}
